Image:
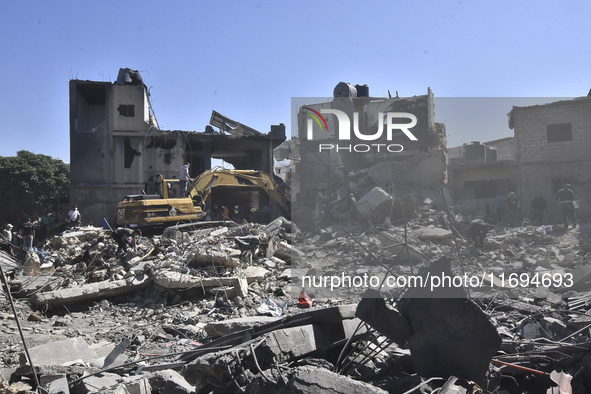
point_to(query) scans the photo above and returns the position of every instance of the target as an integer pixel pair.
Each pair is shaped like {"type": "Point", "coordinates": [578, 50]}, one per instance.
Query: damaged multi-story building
{"type": "Point", "coordinates": [550, 148]}
{"type": "Point", "coordinates": [116, 144]}
{"type": "Point", "coordinates": [354, 142]}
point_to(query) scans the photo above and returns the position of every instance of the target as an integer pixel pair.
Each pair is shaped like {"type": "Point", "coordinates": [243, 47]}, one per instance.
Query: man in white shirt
{"type": "Point", "coordinates": [184, 178]}
{"type": "Point", "coordinates": [74, 216]}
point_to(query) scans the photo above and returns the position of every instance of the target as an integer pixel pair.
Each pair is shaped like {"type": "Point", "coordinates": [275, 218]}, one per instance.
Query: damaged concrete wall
{"type": "Point", "coordinates": [553, 145]}
{"type": "Point", "coordinates": [328, 159]}
{"type": "Point", "coordinates": [129, 105]}
{"type": "Point", "coordinates": [427, 169]}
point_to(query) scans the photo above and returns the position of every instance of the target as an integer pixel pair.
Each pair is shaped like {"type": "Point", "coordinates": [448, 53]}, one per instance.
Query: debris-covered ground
{"type": "Point", "coordinates": [218, 309]}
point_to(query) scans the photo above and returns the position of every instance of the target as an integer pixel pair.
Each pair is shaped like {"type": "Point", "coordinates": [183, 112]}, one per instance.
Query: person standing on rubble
{"type": "Point", "coordinates": [236, 214]}
{"type": "Point", "coordinates": [7, 233]}
{"type": "Point", "coordinates": [74, 217]}
{"type": "Point", "coordinates": [27, 232]}
{"type": "Point", "coordinates": [125, 238]}
{"type": "Point", "coordinates": [538, 208]}
{"type": "Point", "coordinates": [512, 205]}
{"type": "Point", "coordinates": [478, 230]}
{"type": "Point", "coordinates": [184, 178]}
{"type": "Point", "coordinates": [566, 199]}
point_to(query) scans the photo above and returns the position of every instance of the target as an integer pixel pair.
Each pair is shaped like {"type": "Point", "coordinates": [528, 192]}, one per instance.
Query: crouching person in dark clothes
{"type": "Point", "coordinates": [125, 238]}
{"type": "Point", "coordinates": [478, 230]}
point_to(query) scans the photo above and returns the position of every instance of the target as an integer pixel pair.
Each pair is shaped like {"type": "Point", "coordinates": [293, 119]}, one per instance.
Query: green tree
{"type": "Point", "coordinates": [32, 185]}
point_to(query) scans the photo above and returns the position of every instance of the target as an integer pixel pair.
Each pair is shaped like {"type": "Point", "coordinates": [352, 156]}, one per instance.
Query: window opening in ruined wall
{"type": "Point", "coordinates": [559, 132]}
{"type": "Point", "coordinates": [126, 111]}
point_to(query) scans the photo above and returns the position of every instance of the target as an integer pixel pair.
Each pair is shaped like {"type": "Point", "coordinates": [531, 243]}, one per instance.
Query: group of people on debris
{"type": "Point", "coordinates": [23, 238]}
{"type": "Point", "coordinates": [509, 207]}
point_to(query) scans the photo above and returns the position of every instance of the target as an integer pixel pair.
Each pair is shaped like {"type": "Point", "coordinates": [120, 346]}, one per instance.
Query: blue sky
{"type": "Point", "coordinates": [247, 59]}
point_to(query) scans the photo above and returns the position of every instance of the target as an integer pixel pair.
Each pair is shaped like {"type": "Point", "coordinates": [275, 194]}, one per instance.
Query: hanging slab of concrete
{"type": "Point", "coordinates": [451, 335]}
{"type": "Point", "coordinates": [372, 309]}
{"type": "Point", "coordinates": [90, 291]}
{"type": "Point", "coordinates": [60, 352]}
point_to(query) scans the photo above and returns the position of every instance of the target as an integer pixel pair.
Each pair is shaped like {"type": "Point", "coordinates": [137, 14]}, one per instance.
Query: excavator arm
{"type": "Point", "coordinates": [203, 185]}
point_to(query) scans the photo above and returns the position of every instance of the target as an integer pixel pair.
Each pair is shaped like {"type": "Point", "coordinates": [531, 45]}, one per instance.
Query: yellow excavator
{"type": "Point", "coordinates": [216, 194]}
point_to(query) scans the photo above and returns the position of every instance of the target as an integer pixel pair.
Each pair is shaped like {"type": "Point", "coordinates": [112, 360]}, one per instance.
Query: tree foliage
{"type": "Point", "coordinates": [32, 185]}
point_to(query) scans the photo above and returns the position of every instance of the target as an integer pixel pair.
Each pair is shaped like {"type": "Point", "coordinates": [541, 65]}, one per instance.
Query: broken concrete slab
{"type": "Point", "coordinates": [24, 286]}
{"type": "Point", "coordinates": [373, 203]}
{"type": "Point", "coordinates": [432, 233]}
{"type": "Point", "coordinates": [228, 258]}
{"type": "Point", "coordinates": [97, 383]}
{"type": "Point", "coordinates": [275, 343]}
{"type": "Point", "coordinates": [309, 379]}
{"type": "Point", "coordinates": [60, 352]}
{"type": "Point", "coordinates": [90, 291]}
{"type": "Point", "coordinates": [229, 326]}
{"type": "Point", "coordinates": [32, 265]}
{"type": "Point", "coordinates": [56, 384]}
{"type": "Point", "coordinates": [178, 280]}
{"type": "Point", "coordinates": [169, 382]}
{"type": "Point", "coordinates": [256, 274]}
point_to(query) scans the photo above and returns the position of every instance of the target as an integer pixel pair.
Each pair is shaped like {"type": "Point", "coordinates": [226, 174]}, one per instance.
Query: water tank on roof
{"type": "Point", "coordinates": [475, 151]}
{"type": "Point", "coordinates": [344, 89]}
{"type": "Point", "coordinates": [362, 90]}
{"type": "Point", "coordinates": [491, 154]}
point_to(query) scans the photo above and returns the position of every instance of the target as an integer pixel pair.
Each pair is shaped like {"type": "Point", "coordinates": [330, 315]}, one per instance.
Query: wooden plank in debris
{"type": "Point", "coordinates": [90, 291]}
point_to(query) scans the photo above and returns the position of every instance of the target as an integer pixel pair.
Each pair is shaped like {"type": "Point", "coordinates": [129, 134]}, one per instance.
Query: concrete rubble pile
{"type": "Point", "coordinates": [216, 309]}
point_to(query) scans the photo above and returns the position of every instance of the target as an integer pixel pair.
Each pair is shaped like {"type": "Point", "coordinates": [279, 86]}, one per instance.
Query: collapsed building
{"type": "Point", "coordinates": [367, 144]}
{"type": "Point", "coordinates": [549, 149]}
{"type": "Point", "coordinates": [220, 309]}
{"type": "Point", "coordinates": [116, 144]}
